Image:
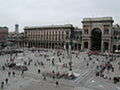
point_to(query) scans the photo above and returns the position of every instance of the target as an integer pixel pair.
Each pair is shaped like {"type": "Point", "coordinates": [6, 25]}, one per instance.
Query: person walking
{"type": "Point", "coordinates": [3, 67]}
{"type": "Point", "coordinates": [9, 73]}
{"type": "Point", "coordinates": [22, 72]}
{"type": "Point", "coordinates": [57, 84]}
{"type": "Point", "coordinates": [13, 73]}
{"type": "Point", "coordinates": [44, 78]}
{"type": "Point", "coordinates": [2, 84]}
{"type": "Point", "coordinates": [38, 71]}
{"type": "Point", "coordinates": [6, 80]}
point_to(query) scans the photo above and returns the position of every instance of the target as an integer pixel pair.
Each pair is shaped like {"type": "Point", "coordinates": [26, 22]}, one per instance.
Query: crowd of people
{"type": "Point", "coordinates": [58, 63]}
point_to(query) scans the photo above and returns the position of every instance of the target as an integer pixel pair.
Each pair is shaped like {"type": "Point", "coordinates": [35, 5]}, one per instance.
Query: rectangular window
{"type": "Point", "coordinates": [86, 31]}
{"type": "Point", "coordinates": [106, 31]}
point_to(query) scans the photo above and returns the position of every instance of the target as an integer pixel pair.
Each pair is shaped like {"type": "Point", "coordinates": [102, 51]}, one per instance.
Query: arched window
{"type": "Point", "coordinates": [106, 31]}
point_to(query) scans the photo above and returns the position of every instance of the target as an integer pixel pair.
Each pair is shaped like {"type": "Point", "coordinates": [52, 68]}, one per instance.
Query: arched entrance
{"type": "Point", "coordinates": [96, 37]}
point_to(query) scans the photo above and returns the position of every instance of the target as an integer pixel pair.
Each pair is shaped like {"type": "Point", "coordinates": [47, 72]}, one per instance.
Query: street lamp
{"type": "Point", "coordinates": [11, 50]}
{"type": "Point", "coordinates": [70, 46]}
{"type": "Point", "coordinates": [70, 56]}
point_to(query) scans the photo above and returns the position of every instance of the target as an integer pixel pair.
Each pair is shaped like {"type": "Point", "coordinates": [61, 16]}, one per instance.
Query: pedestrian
{"type": "Point", "coordinates": [28, 63]}
{"type": "Point", "coordinates": [56, 83]}
{"type": "Point", "coordinates": [22, 72]}
{"type": "Point", "coordinates": [59, 60]}
{"type": "Point", "coordinates": [53, 71]}
{"type": "Point", "coordinates": [44, 78]}
{"type": "Point", "coordinates": [87, 64]}
{"type": "Point", "coordinates": [6, 80]}
{"type": "Point", "coordinates": [42, 63]}
{"type": "Point", "coordinates": [25, 63]}
{"type": "Point", "coordinates": [53, 77]}
{"type": "Point", "coordinates": [3, 67]}
{"type": "Point", "coordinates": [2, 84]}
{"type": "Point", "coordinates": [13, 73]}
{"type": "Point", "coordinates": [119, 67]}
{"type": "Point", "coordinates": [53, 62]}
{"type": "Point", "coordinates": [9, 73]}
{"type": "Point", "coordinates": [38, 71]}
{"type": "Point", "coordinates": [35, 64]}
{"type": "Point", "coordinates": [38, 63]}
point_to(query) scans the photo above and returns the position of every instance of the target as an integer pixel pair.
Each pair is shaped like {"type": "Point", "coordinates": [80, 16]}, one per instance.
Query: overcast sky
{"type": "Point", "coordinates": [47, 12]}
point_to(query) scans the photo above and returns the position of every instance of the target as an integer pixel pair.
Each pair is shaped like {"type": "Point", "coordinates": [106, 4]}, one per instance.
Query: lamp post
{"type": "Point", "coordinates": [117, 43]}
{"type": "Point", "coordinates": [70, 46]}
{"type": "Point", "coordinates": [70, 56]}
{"type": "Point", "coordinates": [11, 49]}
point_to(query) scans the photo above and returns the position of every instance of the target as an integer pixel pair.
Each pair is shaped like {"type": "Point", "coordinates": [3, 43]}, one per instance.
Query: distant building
{"type": "Point", "coordinates": [16, 28]}
{"type": "Point", "coordinates": [16, 38]}
{"type": "Point", "coordinates": [53, 36]}
{"type": "Point", "coordinates": [3, 34]}
{"type": "Point", "coordinates": [99, 34]}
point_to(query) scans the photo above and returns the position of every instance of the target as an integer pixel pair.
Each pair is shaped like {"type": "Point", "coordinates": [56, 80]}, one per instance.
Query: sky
{"type": "Point", "coordinates": [55, 12]}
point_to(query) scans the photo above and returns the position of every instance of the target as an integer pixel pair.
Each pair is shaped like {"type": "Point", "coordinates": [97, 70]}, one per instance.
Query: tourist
{"type": "Point", "coordinates": [13, 73]}
{"type": "Point", "coordinates": [59, 60]}
{"type": "Point", "coordinates": [22, 72]}
{"type": "Point", "coordinates": [9, 73]}
{"type": "Point", "coordinates": [3, 67]}
{"type": "Point", "coordinates": [38, 71]}
{"type": "Point", "coordinates": [2, 84]}
{"type": "Point", "coordinates": [44, 78]}
{"type": "Point", "coordinates": [56, 83]}
{"type": "Point", "coordinates": [6, 80]}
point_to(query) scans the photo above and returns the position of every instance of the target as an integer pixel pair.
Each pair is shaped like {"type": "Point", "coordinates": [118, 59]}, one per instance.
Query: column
{"type": "Point", "coordinates": [109, 47]}
{"type": "Point", "coordinates": [89, 44]}
{"type": "Point", "coordinates": [102, 46]}
{"type": "Point", "coordinates": [77, 47]}
{"type": "Point", "coordinates": [82, 46]}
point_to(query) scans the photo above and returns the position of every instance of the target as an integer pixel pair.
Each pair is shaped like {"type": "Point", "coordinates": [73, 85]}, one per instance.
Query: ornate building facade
{"type": "Point", "coordinates": [116, 38]}
{"type": "Point", "coordinates": [54, 36]}
{"type": "Point", "coordinates": [3, 36]}
{"type": "Point", "coordinates": [97, 34]}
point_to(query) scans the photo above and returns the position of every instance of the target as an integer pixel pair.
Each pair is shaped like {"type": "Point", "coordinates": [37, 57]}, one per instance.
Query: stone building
{"type": "Point", "coordinates": [16, 38]}
{"type": "Point", "coordinates": [3, 35]}
{"type": "Point", "coordinates": [116, 38]}
{"type": "Point", "coordinates": [76, 37]}
{"type": "Point", "coordinates": [54, 36]}
{"type": "Point", "coordinates": [97, 34]}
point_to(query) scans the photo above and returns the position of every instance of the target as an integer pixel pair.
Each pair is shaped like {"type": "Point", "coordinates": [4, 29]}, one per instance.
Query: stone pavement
{"type": "Point", "coordinates": [31, 80]}
{"type": "Point", "coordinates": [45, 85]}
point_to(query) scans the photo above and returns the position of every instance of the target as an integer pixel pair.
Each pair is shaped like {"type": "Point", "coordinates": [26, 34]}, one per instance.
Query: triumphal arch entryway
{"type": "Point", "coordinates": [97, 33]}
